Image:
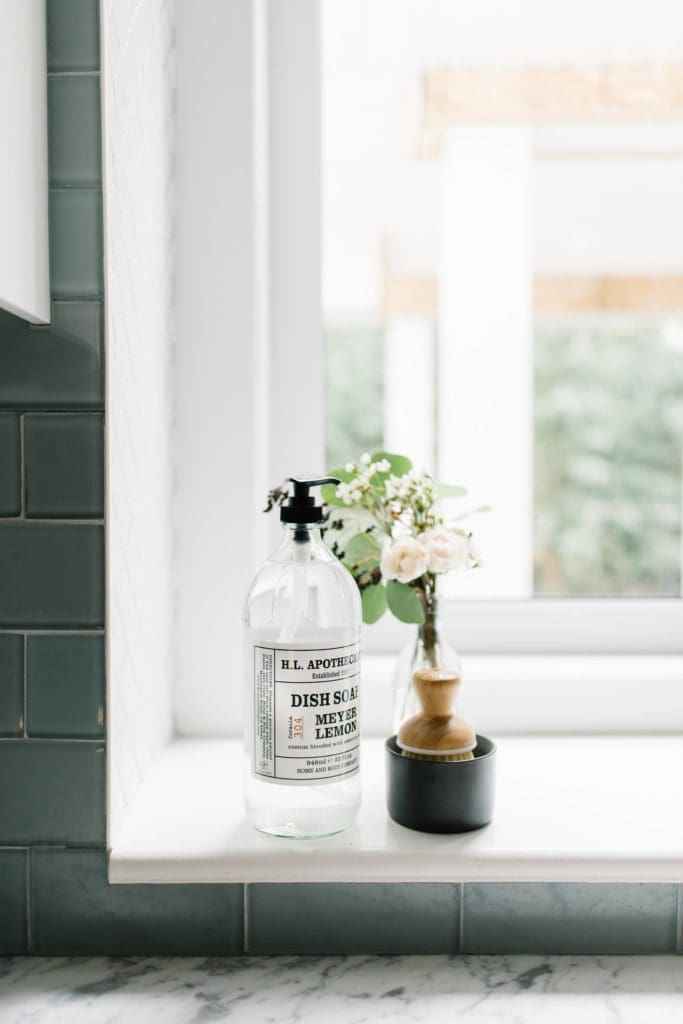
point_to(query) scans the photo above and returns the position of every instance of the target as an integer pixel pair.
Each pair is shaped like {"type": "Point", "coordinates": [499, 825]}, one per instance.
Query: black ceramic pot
{"type": "Point", "coordinates": [441, 796]}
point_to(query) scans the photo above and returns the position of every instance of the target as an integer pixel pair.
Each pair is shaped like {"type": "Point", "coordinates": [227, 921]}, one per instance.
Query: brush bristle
{"type": "Point", "coordinates": [467, 756]}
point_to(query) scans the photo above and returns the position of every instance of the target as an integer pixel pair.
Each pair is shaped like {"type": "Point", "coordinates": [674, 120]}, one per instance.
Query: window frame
{"type": "Point", "coordinates": [250, 342]}
{"type": "Point", "coordinates": [531, 626]}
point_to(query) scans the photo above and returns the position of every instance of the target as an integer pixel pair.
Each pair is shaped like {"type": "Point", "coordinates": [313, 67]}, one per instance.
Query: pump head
{"type": "Point", "coordinates": [300, 507]}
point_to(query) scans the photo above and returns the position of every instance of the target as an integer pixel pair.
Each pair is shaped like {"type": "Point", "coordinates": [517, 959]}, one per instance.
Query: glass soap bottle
{"type": "Point", "coordinates": [302, 670]}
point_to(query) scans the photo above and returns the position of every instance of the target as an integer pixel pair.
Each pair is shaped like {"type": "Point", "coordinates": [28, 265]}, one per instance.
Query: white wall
{"type": "Point", "coordinates": [24, 255]}
{"type": "Point", "coordinates": [138, 132]}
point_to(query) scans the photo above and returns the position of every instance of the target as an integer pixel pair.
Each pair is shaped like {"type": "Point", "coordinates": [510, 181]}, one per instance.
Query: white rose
{"type": "Point", "coordinates": [404, 560]}
{"type": "Point", "coordinates": [446, 550]}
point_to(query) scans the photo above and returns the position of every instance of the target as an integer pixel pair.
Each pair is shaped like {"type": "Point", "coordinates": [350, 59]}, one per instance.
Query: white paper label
{"type": "Point", "coordinates": [306, 713]}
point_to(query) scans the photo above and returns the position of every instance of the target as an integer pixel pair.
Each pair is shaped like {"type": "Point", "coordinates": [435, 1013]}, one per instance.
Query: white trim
{"type": "Point", "coordinates": [547, 695]}
{"type": "Point", "coordinates": [249, 359]}
{"type": "Point", "coordinates": [485, 434]}
{"type": "Point", "coordinates": [548, 626]}
{"type": "Point", "coordinates": [297, 358]}
{"type": "Point", "coordinates": [24, 243]}
{"type": "Point", "coordinates": [567, 808]}
{"type": "Point", "coordinates": [221, 385]}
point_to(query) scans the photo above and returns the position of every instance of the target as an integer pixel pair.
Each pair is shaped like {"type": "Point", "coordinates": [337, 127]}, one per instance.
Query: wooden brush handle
{"type": "Point", "coordinates": [436, 727]}
{"type": "Point", "coordinates": [436, 689]}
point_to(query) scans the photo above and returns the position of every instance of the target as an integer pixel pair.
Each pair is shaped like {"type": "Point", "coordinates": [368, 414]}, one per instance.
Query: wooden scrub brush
{"type": "Point", "coordinates": [436, 733]}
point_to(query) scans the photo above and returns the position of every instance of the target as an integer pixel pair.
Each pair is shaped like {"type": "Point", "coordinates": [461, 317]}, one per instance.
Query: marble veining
{"type": "Point", "coordinates": [352, 990]}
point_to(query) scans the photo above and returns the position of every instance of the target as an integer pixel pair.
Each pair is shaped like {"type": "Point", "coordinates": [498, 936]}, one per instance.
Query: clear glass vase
{"type": "Point", "coordinates": [429, 648]}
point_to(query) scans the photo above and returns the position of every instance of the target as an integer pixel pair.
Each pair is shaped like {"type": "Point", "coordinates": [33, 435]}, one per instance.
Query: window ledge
{"type": "Point", "coordinates": [568, 808]}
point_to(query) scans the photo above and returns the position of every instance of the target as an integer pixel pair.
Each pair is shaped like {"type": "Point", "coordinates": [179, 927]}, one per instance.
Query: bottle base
{"type": "Point", "coordinates": [291, 830]}
{"type": "Point", "coordinates": [303, 826]}
{"type": "Point", "coordinates": [301, 812]}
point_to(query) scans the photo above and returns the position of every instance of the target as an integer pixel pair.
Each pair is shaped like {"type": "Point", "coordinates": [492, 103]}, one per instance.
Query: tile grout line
{"type": "Point", "coordinates": [461, 919]}
{"type": "Point", "coordinates": [24, 679]}
{"type": "Point", "coordinates": [94, 73]}
{"type": "Point", "coordinates": [245, 917]}
{"type": "Point", "coordinates": [30, 940]}
{"type": "Point", "coordinates": [58, 521]}
{"type": "Point", "coordinates": [46, 631]}
{"type": "Point", "coordinates": [22, 468]}
{"type": "Point", "coordinates": [679, 918]}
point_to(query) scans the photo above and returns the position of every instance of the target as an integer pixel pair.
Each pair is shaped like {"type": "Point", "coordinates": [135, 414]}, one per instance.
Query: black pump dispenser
{"type": "Point", "coordinates": [300, 507]}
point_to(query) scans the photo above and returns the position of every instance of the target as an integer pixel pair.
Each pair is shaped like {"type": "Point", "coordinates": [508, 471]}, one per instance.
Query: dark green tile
{"type": "Point", "coordinates": [64, 470]}
{"type": "Point", "coordinates": [11, 685]}
{"type": "Point", "coordinates": [73, 42]}
{"type": "Point", "coordinates": [76, 912]}
{"type": "Point", "coordinates": [76, 243]}
{"type": "Point", "coordinates": [52, 791]}
{"type": "Point", "coordinates": [353, 918]}
{"type": "Point", "coordinates": [11, 324]}
{"type": "Point", "coordinates": [13, 916]}
{"type": "Point", "coordinates": [65, 686]}
{"type": "Point", "coordinates": [569, 918]}
{"type": "Point", "coordinates": [54, 367]}
{"type": "Point", "coordinates": [74, 130]}
{"type": "Point", "coordinates": [51, 575]}
{"type": "Point", "coordinates": [10, 466]}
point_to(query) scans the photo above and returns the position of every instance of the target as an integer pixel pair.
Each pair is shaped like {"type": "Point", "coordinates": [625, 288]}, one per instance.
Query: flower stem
{"type": "Point", "coordinates": [428, 629]}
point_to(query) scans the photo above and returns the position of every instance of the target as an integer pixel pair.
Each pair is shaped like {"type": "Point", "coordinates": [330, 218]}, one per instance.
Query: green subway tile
{"type": "Point", "coordinates": [76, 912]}
{"type": "Point", "coordinates": [569, 918]}
{"type": "Point", "coordinates": [52, 792]}
{"type": "Point", "coordinates": [10, 466]}
{"type": "Point", "coordinates": [64, 471]}
{"type": "Point", "coordinates": [11, 324]}
{"type": "Point", "coordinates": [65, 686]}
{"type": "Point", "coordinates": [13, 903]}
{"type": "Point", "coordinates": [353, 918]}
{"type": "Point", "coordinates": [51, 575]}
{"type": "Point", "coordinates": [74, 130]}
{"type": "Point", "coordinates": [73, 42]}
{"type": "Point", "coordinates": [55, 367]}
{"type": "Point", "coordinates": [11, 685]}
{"type": "Point", "coordinates": [76, 243]}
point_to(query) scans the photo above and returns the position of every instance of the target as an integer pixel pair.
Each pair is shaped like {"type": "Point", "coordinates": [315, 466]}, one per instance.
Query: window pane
{"type": "Point", "coordinates": [503, 274]}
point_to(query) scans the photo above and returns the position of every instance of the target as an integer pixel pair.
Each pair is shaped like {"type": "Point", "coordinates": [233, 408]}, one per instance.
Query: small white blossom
{"type": "Point", "coordinates": [365, 459]}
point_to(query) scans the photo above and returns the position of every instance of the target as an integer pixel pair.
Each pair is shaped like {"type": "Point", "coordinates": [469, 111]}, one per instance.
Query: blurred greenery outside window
{"type": "Point", "coordinates": [608, 446]}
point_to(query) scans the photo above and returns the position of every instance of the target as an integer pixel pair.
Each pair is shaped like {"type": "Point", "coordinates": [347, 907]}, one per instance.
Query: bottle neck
{"type": "Point", "coordinates": [301, 542]}
{"type": "Point", "coordinates": [428, 630]}
{"type": "Point", "coordinates": [303, 533]}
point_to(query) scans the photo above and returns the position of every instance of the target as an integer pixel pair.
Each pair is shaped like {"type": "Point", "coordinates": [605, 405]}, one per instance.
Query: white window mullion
{"type": "Point", "coordinates": [409, 388]}
{"type": "Point", "coordinates": [297, 357]}
{"type": "Point", "coordinates": [485, 387]}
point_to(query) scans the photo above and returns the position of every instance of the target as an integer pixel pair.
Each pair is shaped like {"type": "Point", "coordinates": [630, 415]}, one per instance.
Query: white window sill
{"type": "Point", "coordinates": [568, 808]}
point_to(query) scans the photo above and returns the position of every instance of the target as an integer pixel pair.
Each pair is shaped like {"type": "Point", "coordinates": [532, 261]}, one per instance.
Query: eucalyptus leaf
{"type": "Point", "coordinates": [374, 600]}
{"type": "Point", "coordinates": [450, 491]}
{"type": "Point", "coordinates": [404, 603]}
{"type": "Point", "coordinates": [361, 548]}
{"type": "Point", "coordinates": [399, 464]}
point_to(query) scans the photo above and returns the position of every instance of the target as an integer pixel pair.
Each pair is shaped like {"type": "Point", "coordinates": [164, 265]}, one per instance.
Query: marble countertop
{"type": "Point", "coordinates": [352, 990]}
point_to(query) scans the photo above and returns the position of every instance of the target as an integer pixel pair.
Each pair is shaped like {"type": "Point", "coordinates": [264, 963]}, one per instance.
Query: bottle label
{"type": "Point", "coordinates": [306, 713]}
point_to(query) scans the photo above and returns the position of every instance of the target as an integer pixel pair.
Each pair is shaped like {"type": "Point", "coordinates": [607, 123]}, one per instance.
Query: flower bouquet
{"type": "Point", "coordinates": [386, 523]}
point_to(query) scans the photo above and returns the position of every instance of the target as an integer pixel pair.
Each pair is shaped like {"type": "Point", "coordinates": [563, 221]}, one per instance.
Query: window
{"type": "Point", "coordinates": [503, 276]}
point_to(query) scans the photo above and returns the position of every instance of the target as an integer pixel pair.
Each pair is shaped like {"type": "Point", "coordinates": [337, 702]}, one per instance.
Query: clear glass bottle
{"type": "Point", "coordinates": [428, 649]}
{"type": "Point", "coordinates": [302, 670]}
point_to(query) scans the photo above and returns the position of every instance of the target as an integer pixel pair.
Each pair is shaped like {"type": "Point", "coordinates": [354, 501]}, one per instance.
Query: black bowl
{"type": "Point", "coordinates": [441, 796]}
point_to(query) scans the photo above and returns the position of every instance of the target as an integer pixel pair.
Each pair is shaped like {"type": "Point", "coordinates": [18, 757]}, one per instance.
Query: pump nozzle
{"type": "Point", "coordinates": [300, 506]}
